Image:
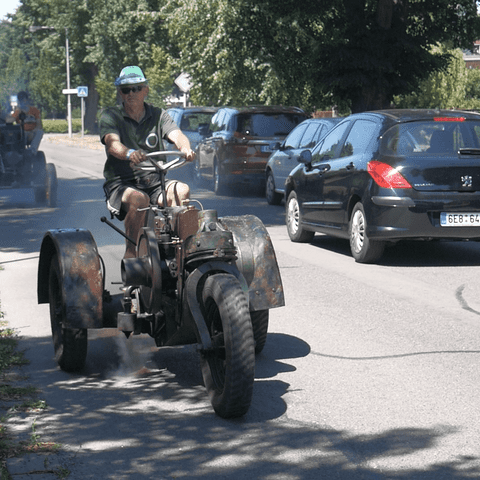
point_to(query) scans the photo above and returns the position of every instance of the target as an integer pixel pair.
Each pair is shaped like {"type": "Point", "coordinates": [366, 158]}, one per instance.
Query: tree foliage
{"type": "Point", "coordinates": [356, 54]}
{"type": "Point", "coordinates": [442, 89]}
{"type": "Point", "coordinates": [103, 38]}
{"type": "Point", "coordinates": [10, 59]}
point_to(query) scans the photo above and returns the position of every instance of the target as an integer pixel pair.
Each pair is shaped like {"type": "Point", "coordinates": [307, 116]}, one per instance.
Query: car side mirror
{"type": "Point", "coordinates": [305, 157]}
{"type": "Point", "coordinates": [275, 146]}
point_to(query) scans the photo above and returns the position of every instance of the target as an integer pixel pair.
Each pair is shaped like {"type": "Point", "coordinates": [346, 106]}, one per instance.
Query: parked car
{"type": "Point", "coordinates": [193, 122]}
{"type": "Point", "coordinates": [238, 149]}
{"type": "Point", "coordinates": [385, 176]}
{"type": "Point", "coordinates": [285, 156]}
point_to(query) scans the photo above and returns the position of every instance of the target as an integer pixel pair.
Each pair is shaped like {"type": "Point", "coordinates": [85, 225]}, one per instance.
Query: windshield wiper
{"type": "Point", "coordinates": [469, 151]}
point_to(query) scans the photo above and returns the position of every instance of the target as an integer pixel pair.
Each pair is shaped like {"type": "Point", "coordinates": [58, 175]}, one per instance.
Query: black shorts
{"type": "Point", "coordinates": [115, 189]}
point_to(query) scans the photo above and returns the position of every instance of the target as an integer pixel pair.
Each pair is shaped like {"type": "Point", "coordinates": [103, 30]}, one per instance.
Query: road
{"type": "Point", "coordinates": [369, 371]}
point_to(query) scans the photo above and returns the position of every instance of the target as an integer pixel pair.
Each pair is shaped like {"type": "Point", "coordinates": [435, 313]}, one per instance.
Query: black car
{"type": "Point", "coordinates": [240, 143]}
{"type": "Point", "coordinates": [389, 175]}
{"type": "Point", "coordinates": [285, 157]}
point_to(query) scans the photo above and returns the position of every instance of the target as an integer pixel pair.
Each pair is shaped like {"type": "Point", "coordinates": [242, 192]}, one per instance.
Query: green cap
{"type": "Point", "coordinates": [130, 75]}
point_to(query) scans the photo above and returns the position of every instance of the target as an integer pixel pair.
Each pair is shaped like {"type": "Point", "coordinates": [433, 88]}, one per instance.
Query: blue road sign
{"type": "Point", "coordinates": [82, 91]}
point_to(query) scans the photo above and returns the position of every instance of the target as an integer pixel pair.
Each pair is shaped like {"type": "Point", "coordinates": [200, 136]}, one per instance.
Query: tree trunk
{"type": "Point", "coordinates": [385, 13]}
{"type": "Point", "coordinates": [92, 102]}
{"type": "Point", "coordinates": [370, 97]}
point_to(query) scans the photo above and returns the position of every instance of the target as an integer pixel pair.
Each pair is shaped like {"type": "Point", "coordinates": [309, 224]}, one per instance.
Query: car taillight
{"type": "Point", "coordinates": [385, 176]}
{"type": "Point", "coordinates": [448, 119]}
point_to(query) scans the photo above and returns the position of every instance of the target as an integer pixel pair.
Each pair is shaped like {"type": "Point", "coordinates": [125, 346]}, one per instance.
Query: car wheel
{"type": "Point", "coordinates": [273, 197]}
{"type": "Point", "coordinates": [293, 220]}
{"type": "Point", "coordinates": [218, 181]}
{"type": "Point", "coordinates": [52, 186]}
{"type": "Point", "coordinates": [197, 176]}
{"type": "Point", "coordinates": [363, 249]}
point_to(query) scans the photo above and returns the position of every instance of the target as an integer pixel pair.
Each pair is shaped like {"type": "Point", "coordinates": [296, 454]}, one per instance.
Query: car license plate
{"type": "Point", "coordinates": [459, 219]}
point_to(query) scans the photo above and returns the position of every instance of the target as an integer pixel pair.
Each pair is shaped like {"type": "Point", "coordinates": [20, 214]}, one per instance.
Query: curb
{"type": "Point", "coordinates": [35, 466]}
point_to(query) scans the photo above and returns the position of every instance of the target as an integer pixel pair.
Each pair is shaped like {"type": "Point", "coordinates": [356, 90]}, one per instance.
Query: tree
{"type": "Point", "coordinates": [391, 43]}
{"type": "Point", "coordinates": [7, 47]}
{"type": "Point", "coordinates": [442, 89]}
{"type": "Point", "coordinates": [356, 53]}
{"type": "Point", "coordinates": [125, 33]}
{"type": "Point", "coordinates": [214, 44]}
{"type": "Point", "coordinates": [472, 89]}
{"type": "Point", "coordinates": [103, 37]}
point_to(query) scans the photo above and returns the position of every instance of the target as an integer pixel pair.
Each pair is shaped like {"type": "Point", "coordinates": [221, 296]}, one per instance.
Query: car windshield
{"type": "Point", "coordinates": [442, 136]}
{"type": "Point", "coordinates": [266, 124]}
{"type": "Point", "coordinates": [191, 121]}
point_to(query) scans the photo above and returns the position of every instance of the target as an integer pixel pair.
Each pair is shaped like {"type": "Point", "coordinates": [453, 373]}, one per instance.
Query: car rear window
{"type": "Point", "coordinates": [267, 125]}
{"type": "Point", "coordinates": [191, 121]}
{"type": "Point", "coordinates": [431, 137]}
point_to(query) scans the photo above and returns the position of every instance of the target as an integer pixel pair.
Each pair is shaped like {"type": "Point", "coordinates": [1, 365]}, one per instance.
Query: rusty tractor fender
{"type": "Point", "coordinates": [81, 276]}
{"type": "Point", "coordinates": [256, 261]}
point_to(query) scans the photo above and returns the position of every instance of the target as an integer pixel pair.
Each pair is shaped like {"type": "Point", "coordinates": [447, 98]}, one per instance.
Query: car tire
{"type": "Point", "coordinates": [52, 186]}
{"type": "Point", "coordinates": [218, 181]}
{"type": "Point", "coordinates": [363, 249]}
{"type": "Point", "coordinates": [273, 197]}
{"type": "Point", "coordinates": [293, 219]}
{"type": "Point", "coordinates": [197, 175]}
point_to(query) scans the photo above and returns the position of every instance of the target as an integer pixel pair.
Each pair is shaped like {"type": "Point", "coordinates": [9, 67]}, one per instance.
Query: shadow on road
{"type": "Point", "coordinates": [177, 433]}
{"type": "Point", "coordinates": [413, 253]}
{"type": "Point", "coordinates": [81, 204]}
{"type": "Point", "coordinates": [23, 223]}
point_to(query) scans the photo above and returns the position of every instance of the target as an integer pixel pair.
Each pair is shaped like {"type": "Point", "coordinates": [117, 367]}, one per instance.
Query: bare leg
{"type": "Point", "coordinates": [132, 200]}
{"type": "Point", "coordinates": [176, 193]}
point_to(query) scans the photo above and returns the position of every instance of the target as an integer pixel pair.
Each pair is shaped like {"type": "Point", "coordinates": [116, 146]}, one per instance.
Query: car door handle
{"type": "Point", "coordinates": [321, 169]}
{"type": "Point", "coordinates": [350, 166]}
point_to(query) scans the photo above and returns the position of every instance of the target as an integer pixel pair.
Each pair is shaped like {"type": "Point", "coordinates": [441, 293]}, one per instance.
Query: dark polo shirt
{"type": "Point", "coordinates": [146, 135]}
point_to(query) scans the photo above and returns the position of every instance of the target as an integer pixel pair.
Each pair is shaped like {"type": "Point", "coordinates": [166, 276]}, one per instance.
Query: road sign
{"type": "Point", "coordinates": [183, 82]}
{"type": "Point", "coordinates": [69, 91]}
{"type": "Point", "coordinates": [82, 91]}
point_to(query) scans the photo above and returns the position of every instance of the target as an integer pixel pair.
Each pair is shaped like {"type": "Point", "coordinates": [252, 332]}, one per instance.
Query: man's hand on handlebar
{"type": "Point", "coordinates": [137, 156]}
{"type": "Point", "coordinates": [189, 154]}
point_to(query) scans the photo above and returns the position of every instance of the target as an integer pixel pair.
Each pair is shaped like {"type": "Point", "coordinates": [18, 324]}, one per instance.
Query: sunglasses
{"type": "Point", "coordinates": [127, 90]}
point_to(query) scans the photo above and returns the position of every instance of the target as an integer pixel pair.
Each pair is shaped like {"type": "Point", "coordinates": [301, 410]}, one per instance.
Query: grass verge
{"type": "Point", "coordinates": [27, 400]}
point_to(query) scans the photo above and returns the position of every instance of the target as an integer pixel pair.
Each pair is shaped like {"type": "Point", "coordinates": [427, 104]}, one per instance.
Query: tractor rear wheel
{"type": "Point", "coordinates": [70, 344]}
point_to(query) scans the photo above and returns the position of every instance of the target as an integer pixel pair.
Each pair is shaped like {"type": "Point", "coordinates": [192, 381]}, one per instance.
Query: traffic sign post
{"type": "Point", "coordinates": [82, 92]}
{"type": "Point", "coordinates": [184, 84]}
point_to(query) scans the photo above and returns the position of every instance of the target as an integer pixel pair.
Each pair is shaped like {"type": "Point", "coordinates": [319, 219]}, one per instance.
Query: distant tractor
{"type": "Point", "coordinates": [22, 165]}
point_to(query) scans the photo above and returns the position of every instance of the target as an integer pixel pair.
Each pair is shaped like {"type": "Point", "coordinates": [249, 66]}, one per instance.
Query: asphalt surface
{"type": "Point", "coordinates": [370, 372]}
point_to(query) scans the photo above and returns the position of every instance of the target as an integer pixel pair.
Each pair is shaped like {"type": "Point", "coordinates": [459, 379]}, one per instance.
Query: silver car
{"type": "Point", "coordinates": [193, 122]}
{"type": "Point", "coordinates": [285, 157]}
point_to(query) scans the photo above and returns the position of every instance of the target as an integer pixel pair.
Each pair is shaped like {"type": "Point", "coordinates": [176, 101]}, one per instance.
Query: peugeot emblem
{"type": "Point", "coordinates": [467, 181]}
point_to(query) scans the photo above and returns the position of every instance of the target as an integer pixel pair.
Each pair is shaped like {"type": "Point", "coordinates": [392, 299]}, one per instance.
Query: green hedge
{"type": "Point", "coordinates": [61, 126]}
